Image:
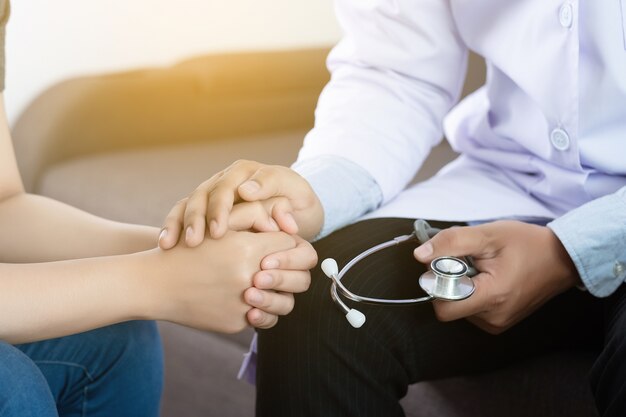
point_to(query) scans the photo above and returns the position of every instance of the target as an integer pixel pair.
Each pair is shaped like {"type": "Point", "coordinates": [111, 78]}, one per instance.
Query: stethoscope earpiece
{"type": "Point", "coordinates": [354, 316]}
{"type": "Point", "coordinates": [329, 267]}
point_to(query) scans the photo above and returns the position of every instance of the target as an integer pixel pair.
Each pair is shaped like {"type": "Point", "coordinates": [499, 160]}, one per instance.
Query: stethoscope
{"type": "Point", "coordinates": [449, 277]}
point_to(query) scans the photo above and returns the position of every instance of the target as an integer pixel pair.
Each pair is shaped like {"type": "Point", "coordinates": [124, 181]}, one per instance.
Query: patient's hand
{"type": "Point", "coordinates": [288, 204]}
{"type": "Point", "coordinates": [522, 266]}
{"type": "Point", "coordinates": [211, 286]}
{"type": "Point", "coordinates": [280, 275]}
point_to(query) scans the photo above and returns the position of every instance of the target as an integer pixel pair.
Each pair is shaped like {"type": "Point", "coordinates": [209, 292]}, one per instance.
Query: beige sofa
{"type": "Point", "coordinates": [127, 146]}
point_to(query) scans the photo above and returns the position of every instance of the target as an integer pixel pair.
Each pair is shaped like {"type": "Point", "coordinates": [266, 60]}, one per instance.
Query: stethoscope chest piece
{"type": "Point", "coordinates": [447, 279]}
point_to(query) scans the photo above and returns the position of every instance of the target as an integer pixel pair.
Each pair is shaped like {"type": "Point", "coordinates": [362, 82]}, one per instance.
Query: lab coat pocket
{"type": "Point", "coordinates": [623, 3]}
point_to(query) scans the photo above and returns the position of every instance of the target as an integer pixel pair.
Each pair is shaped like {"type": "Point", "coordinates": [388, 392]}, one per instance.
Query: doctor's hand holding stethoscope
{"type": "Point", "coordinates": [521, 265]}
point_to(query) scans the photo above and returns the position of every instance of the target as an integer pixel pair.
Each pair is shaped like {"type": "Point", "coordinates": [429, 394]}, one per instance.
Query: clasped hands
{"type": "Point", "coordinates": [522, 265]}
{"type": "Point", "coordinates": [259, 271]}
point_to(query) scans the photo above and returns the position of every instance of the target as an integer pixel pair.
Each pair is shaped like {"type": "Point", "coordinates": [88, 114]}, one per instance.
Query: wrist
{"type": "Point", "coordinates": [146, 295]}
{"type": "Point", "coordinates": [564, 269]}
{"type": "Point", "coordinates": [315, 222]}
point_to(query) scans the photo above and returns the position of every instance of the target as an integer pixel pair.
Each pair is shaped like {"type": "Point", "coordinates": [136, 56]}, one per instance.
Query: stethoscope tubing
{"type": "Point", "coordinates": [337, 286]}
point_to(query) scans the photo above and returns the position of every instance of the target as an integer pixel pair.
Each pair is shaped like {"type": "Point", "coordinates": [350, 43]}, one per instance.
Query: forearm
{"type": "Point", "coordinates": [393, 81]}
{"type": "Point", "coordinates": [46, 300]}
{"type": "Point", "coordinates": [38, 229]}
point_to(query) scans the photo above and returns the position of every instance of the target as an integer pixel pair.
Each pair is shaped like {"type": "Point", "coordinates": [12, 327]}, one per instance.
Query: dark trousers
{"type": "Point", "coordinates": [313, 363]}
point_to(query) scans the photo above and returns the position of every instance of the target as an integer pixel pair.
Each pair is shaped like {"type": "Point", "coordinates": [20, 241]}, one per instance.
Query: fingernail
{"type": "Point", "coordinates": [424, 251]}
{"type": "Point", "coordinates": [250, 186]}
{"type": "Point", "coordinates": [255, 297]}
{"type": "Point", "coordinates": [163, 234]}
{"type": "Point", "coordinates": [265, 280]}
{"type": "Point", "coordinates": [270, 264]}
{"type": "Point", "coordinates": [188, 234]}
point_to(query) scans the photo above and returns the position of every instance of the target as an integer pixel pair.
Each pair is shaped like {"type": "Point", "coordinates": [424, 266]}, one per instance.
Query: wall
{"type": "Point", "coordinates": [49, 41]}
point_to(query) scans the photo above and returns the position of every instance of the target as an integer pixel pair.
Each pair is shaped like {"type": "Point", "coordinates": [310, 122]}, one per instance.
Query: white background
{"type": "Point", "coordinates": [48, 41]}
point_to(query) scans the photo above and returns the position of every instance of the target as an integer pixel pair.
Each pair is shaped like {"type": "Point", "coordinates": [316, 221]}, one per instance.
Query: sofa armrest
{"type": "Point", "coordinates": [202, 99]}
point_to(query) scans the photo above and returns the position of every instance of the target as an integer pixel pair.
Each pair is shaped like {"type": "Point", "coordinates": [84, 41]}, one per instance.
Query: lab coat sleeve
{"type": "Point", "coordinates": [395, 74]}
{"type": "Point", "coordinates": [594, 235]}
{"type": "Point", "coordinates": [345, 190]}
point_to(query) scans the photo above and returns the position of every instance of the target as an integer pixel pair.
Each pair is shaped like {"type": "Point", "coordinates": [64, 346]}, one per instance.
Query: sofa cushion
{"type": "Point", "coordinates": [142, 185]}
{"type": "Point", "coordinates": [200, 375]}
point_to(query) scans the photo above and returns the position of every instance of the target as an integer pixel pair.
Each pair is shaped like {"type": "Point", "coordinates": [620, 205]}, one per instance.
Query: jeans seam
{"type": "Point", "coordinates": [85, 390]}
{"type": "Point", "coordinates": [72, 364]}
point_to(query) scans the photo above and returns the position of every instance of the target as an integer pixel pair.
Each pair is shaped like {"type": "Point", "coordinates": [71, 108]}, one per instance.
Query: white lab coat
{"type": "Point", "coordinates": [546, 133]}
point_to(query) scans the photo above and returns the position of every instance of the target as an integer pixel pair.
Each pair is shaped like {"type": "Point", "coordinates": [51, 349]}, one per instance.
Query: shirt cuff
{"type": "Point", "coordinates": [345, 190]}
{"type": "Point", "coordinates": [594, 236]}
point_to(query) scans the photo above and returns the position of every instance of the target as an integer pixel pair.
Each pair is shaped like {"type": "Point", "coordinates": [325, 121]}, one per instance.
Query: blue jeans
{"type": "Point", "coordinates": [112, 371]}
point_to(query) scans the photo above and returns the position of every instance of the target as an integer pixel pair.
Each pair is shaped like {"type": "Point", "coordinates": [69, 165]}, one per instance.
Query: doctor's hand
{"type": "Point", "coordinates": [287, 202]}
{"type": "Point", "coordinates": [521, 267]}
{"type": "Point", "coordinates": [282, 274]}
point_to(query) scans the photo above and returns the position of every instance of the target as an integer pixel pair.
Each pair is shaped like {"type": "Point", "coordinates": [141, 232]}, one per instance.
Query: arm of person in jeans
{"type": "Point", "coordinates": [523, 265]}
{"type": "Point", "coordinates": [205, 288]}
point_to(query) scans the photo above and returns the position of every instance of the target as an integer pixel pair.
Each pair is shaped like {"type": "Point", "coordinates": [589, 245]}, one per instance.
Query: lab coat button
{"type": "Point", "coordinates": [560, 139]}
{"type": "Point", "coordinates": [566, 15]}
{"type": "Point", "coordinates": [618, 269]}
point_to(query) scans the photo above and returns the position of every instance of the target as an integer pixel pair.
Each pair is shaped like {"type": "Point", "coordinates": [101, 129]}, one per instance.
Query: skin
{"type": "Point", "coordinates": [285, 201]}
{"type": "Point", "coordinates": [64, 271]}
{"type": "Point", "coordinates": [523, 265]}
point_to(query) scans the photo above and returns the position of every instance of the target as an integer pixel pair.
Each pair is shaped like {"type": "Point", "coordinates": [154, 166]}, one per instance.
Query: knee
{"type": "Point", "coordinates": [126, 353]}
{"type": "Point", "coordinates": [15, 368]}
{"type": "Point", "coordinates": [23, 386]}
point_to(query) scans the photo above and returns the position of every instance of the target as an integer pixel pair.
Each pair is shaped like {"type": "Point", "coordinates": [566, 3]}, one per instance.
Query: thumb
{"type": "Point", "coordinates": [271, 181]}
{"type": "Point", "coordinates": [456, 241]}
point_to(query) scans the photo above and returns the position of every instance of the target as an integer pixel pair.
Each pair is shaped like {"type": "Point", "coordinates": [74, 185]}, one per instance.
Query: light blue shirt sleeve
{"type": "Point", "coordinates": [594, 235]}
{"type": "Point", "coordinates": [345, 190]}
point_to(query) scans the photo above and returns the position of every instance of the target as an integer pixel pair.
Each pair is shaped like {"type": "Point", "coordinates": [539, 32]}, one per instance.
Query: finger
{"type": "Point", "coordinates": [272, 243]}
{"type": "Point", "coordinates": [251, 216]}
{"type": "Point", "coordinates": [272, 302]}
{"type": "Point", "coordinates": [223, 193]}
{"type": "Point", "coordinates": [260, 319]}
{"type": "Point", "coordinates": [219, 204]}
{"type": "Point", "coordinates": [280, 280]}
{"type": "Point", "coordinates": [170, 232]}
{"type": "Point", "coordinates": [271, 181]}
{"type": "Point", "coordinates": [279, 208]}
{"type": "Point", "coordinates": [478, 302]}
{"type": "Point", "coordinates": [281, 212]}
{"type": "Point", "coordinates": [194, 217]}
{"type": "Point", "coordinates": [457, 241]}
{"type": "Point", "coordinates": [302, 257]}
